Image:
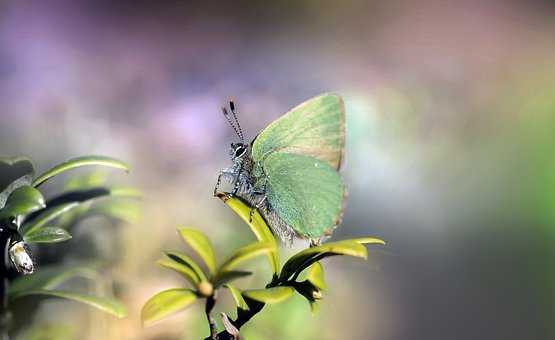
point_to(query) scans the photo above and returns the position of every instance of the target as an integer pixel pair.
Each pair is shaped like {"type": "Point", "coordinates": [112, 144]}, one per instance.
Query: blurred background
{"type": "Point", "coordinates": [450, 139]}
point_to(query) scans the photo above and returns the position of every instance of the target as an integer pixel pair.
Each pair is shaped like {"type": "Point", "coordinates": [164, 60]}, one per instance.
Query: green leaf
{"type": "Point", "coordinates": [80, 196]}
{"type": "Point", "coordinates": [14, 173]}
{"type": "Point", "coordinates": [229, 276]}
{"type": "Point", "coordinates": [236, 293]}
{"type": "Point", "coordinates": [94, 201]}
{"type": "Point", "coordinates": [47, 235]}
{"type": "Point", "coordinates": [270, 295]}
{"type": "Point", "coordinates": [184, 270]}
{"type": "Point", "coordinates": [246, 253]}
{"type": "Point", "coordinates": [201, 245]}
{"type": "Point", "coordinates": [305, 258]}
{"type": "Point", "coordinates": [79, 162]}
{"type": "Point", "coordinates": [316, 275]}
{"type": "Point", "coordinates": [314, 307]}
{"type": "Point", "coordinates": [368, 240]}
{"type": "Point", "coordinates": [258, 226]}
{"type": "Point", "coordinates": [50, 330]}
{"type": "Point", "coordinates": [166, 303]}
{"type": "Point", "coordinates": [86, 181]}
{"type": "Point", "coordinates": [110, 306]}
{"type": "Point", "coordinates": [46, 216]}
{"type": "Point", "coordinates": [50, 278]}
{"type": "Point", "coordinates": [188, 262]}
{"type": "Point", "coordinates": [126, 192]}
{"type": "Point", "coordinates": [121, 209]}
{"type": "Point", "coordinates": [21, 182]}
{"type": "Point", "coordinates": [22, 201]}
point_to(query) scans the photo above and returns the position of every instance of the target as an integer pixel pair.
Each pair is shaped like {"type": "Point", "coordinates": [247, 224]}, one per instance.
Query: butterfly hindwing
{"type": "Point", "coordinates": [315, 128]}
{"type": "Point", "coordinates": [307, 192]}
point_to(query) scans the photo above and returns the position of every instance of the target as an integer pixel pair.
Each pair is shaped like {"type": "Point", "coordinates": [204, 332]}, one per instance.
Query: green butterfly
{"type": "Point", "coordinates": [289, 172]}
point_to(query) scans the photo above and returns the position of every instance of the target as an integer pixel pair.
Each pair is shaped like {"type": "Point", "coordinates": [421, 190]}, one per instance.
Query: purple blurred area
{"type": "Point", "coordinates": [447, 103]}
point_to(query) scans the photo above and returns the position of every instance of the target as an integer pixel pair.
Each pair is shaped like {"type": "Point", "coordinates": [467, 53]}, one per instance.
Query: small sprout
{"type": "Point", "coordinates": [317, 294]}
{"type": "Point", "coordinates": [205, 288]}
{"type": "Point", "coordinates": [21, 259]}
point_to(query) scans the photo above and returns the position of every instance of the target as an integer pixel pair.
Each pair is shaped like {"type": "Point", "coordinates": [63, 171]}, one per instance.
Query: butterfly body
{"type": "Point", "coordinates": [289, 172]}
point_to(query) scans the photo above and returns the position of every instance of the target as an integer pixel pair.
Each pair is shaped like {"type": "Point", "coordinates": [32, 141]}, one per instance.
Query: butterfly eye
{"type": "Point", "coordinates": [240, 151]}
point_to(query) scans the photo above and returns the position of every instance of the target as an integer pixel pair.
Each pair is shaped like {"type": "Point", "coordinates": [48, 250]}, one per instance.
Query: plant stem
{"type": "Point", "coordinates": [210, 302]}
{"type": "Point", "coordinates": [4, 311]}
{"type": "Point", "coordinates": [243, 316]}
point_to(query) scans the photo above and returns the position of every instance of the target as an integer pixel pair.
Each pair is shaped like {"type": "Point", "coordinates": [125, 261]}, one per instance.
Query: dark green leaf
{"type": "Point", "coordinates": [47, 235]}
{"type": "Point", "coordinates": [18, 183]}
{"type": "Point", "coordinates": [110, 306]}
{"type": "Point", "coordinates": [46, 216]}
{"type": "Point", "coordinates": [22, 201]}
{"type": "Point", "coordinates": [229, 276]}
{"type": "Point", "coordinates": [93, 201]}
{"type": "Point", "coordinates": [257, 225]}
{"type": "Point", "coordinates": [201, 245]}
{"type": "Point", "coordinates": [307, 257]}
{"type": "Point", "coordinates": [79, 162]}
{"type": "Point", "coordinates": [14, 173]}
{"type": "Point", "coordinates": [188, 262]}
{"type": "Point", "coordinates": [270, 295]}
{"type": "Point", "coordinates": [238, 297]}
{"type": "Point", "coordinates": [50, 278]}
{"type": "Point", "coordinates": [166, 303]}
{"type": "Point", "coordinates": [80, 196]}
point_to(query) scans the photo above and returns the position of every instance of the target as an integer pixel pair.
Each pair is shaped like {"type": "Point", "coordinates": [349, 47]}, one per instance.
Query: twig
{"type": "Point", "coordinates": [210, 302]}
{"type": "Point", "coordinates": [5, 315]}
{"type": "Point", "coordinates": [243, 316]}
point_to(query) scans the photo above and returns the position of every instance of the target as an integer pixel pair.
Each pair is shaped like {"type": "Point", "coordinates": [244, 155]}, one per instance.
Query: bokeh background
{"type": "Point", "coordinates": [450, 155]}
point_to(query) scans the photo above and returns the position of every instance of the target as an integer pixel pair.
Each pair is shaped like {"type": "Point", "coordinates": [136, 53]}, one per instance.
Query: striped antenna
{"type": "Point", "coordinates": [235, 122]}
{"type": "Point", "coordinates": [232, 107]}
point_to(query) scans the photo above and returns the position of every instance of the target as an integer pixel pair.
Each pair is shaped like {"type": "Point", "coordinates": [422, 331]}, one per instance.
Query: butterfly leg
{"type": "Point", "coordinates": [238, 181]}
{"type": "Point", "coordinates": [226, 173]}
{"type": "Point", "coordinates": [256, 207]}
{"type": "Point", "coordinates": [314, 242]}
{"type": "Point", "coordinates": [218, 183]}
{"type": "Point", "coordinates": [259, 204]}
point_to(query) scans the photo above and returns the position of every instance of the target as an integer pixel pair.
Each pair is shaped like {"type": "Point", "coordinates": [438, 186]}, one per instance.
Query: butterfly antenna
{"type": "Point", "coordinates": [240, 134]}
{"type": "Point", "coordinates": [230, 122]}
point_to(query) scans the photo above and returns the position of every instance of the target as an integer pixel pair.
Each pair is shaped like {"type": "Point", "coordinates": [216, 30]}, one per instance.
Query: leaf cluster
{"type": "Point", "coordinates": [26, 216]}
{"type": "Point", "coordinates": [302, 273]}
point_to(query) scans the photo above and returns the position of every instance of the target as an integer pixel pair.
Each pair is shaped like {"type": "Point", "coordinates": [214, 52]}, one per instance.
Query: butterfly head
{"type": "Point", "coordinates": [238, 150]}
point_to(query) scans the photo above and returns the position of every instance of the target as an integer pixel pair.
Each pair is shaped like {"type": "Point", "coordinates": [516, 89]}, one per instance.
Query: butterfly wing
{"type": "Point", "coordinates": [307, 193]}
{"type": "Point", "coordinates": [315, 128]}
